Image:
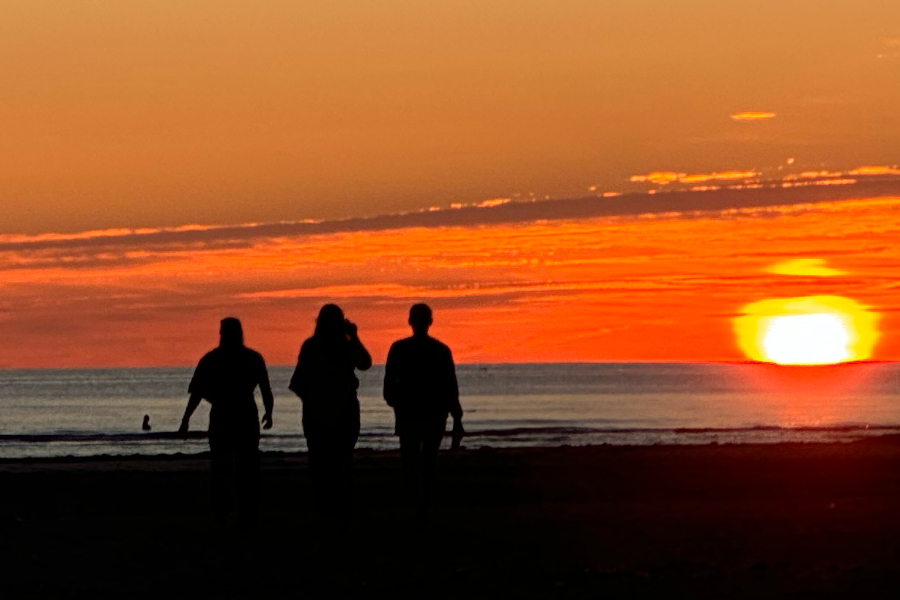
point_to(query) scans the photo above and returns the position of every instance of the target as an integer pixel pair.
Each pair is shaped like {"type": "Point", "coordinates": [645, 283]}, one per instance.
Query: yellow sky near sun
{"type": "Point", "coordinates": [192, 111]}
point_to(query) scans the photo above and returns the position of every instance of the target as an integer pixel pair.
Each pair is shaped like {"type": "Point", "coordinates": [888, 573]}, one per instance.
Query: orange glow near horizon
{"type": "Point", "coordinates": [654, 287]}
{"type": "Point", "coordinates": [815, 330]}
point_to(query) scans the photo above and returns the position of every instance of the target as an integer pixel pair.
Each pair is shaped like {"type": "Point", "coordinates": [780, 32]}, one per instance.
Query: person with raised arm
{"type": "Point", "coordinates": [326, 383]}
{"type": "Point", "coordinates": [227, 377]}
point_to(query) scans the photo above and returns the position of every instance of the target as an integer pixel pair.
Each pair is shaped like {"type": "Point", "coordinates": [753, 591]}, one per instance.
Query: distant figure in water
{"type": "Point", "coordinates": [326, 384]}
{"type": "Point", "coordinates": [420, 385]}
{"type": "Point", "coordinates": [146, 424]}
{"type": "Point", "coordinates": [227, 377]}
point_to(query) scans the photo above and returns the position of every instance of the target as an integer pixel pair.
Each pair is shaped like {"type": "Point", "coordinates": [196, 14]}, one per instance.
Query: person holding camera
{"type": "Point", "coordinates": [326, 383]}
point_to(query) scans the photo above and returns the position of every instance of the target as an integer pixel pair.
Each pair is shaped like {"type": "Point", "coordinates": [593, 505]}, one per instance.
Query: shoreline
{"type": "Point", "coordinates": [888, 440]}
{"type": "Point", "coordinates": [150, 446]}
{"type": "Point", "coordinates": [192, 365]}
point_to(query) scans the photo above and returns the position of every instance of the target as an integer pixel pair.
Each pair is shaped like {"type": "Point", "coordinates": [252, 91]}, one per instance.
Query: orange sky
{"type": "Point", "coordinates": [656, 286]}
{"type": "Point", "coordinates": [164, 164]}
{"type": "Point", "coordinates": [132, 114]}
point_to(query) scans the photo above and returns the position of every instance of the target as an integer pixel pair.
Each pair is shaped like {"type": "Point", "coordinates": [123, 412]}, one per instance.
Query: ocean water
{"type": "Point", "coordinates": [99, 411]}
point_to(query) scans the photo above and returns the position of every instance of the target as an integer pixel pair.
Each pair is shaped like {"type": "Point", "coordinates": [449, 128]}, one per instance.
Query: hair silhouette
{"type": "Point", "coordinates": [420, 385]}
{"type": "Point", "coordinates": [420, 318]}
{"type": "Point", "coordinates": [231, 334]}
{"type": "Point", "coordinates": [330, 322]}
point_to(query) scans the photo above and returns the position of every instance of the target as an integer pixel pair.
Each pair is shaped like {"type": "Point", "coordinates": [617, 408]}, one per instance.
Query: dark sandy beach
{"type": "Point", "coordinates": [816, 520]}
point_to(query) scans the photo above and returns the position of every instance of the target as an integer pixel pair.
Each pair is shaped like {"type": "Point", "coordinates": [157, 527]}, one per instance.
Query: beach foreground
{"type": "Point", "coordinates": [705, 521]}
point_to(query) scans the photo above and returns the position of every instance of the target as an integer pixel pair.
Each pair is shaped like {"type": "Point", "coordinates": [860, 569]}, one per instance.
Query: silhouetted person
{"type": "Point", "coordinates": [326, 383]}
{"type": "Point", "coordinates": [420, 385]}
{"type": "Point", "coordinates": [146, 424]}
{"type": "Point", "coordinates": [227, 377]}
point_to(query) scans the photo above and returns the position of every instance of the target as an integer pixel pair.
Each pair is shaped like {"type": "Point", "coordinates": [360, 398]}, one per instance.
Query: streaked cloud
{"type": "Point", "coordinates": [753, 116]}
{"type": "Point", "coordinates": [877, 170]}
{"type": "Point", "coordinates": [805, 267]}
{"type": "Point", "coordinates": [493, 202]}
{"type": "Point", "coordinates": [105, 233]}
{"type": "Point", "coordinates": [124, 245]}
{"type": "Point", "coordinates": [753, 179]}
{"type": "Point", "coordinates": [724, 176]}
{"type": "Point", "coordinates": [667, 177]}
{"type": "Point", "coordinates": [413, 292]}
{"type": "Point", "coordinates": [819, 182]}
{"type": "Point", "coordinates": [658, 177]}
{"type": "Point", "coordinates": [724, 195]}
{"type": "Point", "coordinates": [813, 175]}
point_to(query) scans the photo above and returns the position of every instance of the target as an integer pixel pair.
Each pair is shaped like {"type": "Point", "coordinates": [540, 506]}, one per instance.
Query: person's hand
{"type": "Point", "coordinates": [457, 435]}
{"type": "Point", "coordinates": [267, 421]}
{"type": "Point", "coordinates": [185, 423]}
{"type": "Point", "coordinates": [352, 329]}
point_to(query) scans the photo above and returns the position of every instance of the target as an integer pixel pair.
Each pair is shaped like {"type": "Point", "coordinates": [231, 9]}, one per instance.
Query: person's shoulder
{"type": "Point", "coordinates": [208, 363]}
{"type": "Point", "coordinates": [403, 344]}
{"type": "Point", "coordinates": [401, 350]}
{"type": "Point", "coordinates": [210, 356]}
{"type": "Point", "coordinates": [253, 354]}
{"type": "Point", "coordinates": [438, 344]}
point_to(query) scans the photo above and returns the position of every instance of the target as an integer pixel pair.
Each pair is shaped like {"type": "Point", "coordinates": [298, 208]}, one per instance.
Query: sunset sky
{"type": "Point", "coordinates": [565, 181]}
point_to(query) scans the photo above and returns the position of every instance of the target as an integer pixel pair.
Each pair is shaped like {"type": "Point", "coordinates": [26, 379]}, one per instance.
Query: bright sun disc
{"type": "Point", "coordinates": [813, 330]}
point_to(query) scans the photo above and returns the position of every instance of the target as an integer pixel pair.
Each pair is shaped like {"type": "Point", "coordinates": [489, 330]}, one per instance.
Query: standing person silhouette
{"type": "Point", "coordinates": [325, 381]}
{"type": "Point", "coordinates": [227, 377]}
{"type": "Point", "coordinates": [420, 385]}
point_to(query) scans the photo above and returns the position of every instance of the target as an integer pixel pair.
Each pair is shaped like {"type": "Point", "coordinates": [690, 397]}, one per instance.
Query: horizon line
{"type": "Point", "coordinates": [483, 364]}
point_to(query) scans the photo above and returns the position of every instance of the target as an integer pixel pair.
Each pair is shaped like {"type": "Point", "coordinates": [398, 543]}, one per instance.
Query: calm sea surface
{"type": "Point", "coordinates": [92, 412]}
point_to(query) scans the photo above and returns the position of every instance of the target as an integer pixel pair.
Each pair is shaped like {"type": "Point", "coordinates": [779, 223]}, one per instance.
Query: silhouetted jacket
{"type": "Point", "coordinates": [420, 381]}
{"type": "Point", "coordinates": [227, 377]}
{"type": "Point", "coordinates": [324, 377]}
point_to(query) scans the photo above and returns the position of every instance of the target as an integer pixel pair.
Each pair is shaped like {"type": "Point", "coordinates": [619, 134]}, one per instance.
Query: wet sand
{"type": "Point", "coordinates": [789, 520]}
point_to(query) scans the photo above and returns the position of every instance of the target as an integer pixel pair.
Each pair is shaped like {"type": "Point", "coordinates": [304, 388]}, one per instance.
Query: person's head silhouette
{"type": "Point", "coordinates": [231, 334]}
{"type": "Point", "coordinates": [330, 321]}
{"type": "Point", "coordinates": [420, 319]}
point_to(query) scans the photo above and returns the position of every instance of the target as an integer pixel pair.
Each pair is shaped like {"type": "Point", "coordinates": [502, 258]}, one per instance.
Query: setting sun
{"type": "Point", "coordinates": [814, 330]}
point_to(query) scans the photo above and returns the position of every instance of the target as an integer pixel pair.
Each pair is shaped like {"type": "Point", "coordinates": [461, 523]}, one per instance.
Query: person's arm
{"type": "Point", "coordinates": [195, 389]}
{"type": "Point", "coordinates": [298, 378]}
{"type": "Point", "coordinates": [267, 397]}
{"type": "Point", "coordinates": [390, 379]}
{"type": "Point", "coordinates": [362, 360]}
{"type": "Point", "coordinates": [456, 410]}
{"type": "Point", "coordinates": [193, 403]}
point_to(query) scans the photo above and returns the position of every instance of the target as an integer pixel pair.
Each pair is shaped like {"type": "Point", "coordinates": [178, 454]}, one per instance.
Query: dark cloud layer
{"type": "Point", "coordinates": [687, 203]}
